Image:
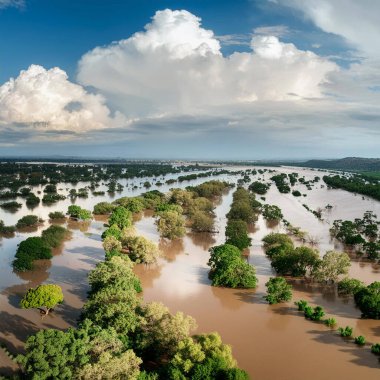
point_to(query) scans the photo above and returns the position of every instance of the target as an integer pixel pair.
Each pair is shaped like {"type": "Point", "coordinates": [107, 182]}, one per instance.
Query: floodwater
{"type": "Point", "coordinates": [270, 342]}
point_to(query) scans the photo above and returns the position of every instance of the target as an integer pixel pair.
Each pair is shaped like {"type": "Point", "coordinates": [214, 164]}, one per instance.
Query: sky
{"type": "Point", "coordinates": [195, 79]}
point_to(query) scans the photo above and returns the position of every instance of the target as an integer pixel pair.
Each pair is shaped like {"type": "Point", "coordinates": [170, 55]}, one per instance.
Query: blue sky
{"type": "Point", "coordinates": [206, 79]}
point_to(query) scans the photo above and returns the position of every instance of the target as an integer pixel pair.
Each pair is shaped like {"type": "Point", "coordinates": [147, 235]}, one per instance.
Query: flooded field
{"type": "Point", "coordinates": [270, 342]}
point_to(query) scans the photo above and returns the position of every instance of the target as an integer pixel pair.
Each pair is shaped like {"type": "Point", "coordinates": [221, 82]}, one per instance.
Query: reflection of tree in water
{"type": "Point", "coordinates": [232, 299]}
{"type": "Point", "coordinates": [204, 240]}
{"type": "Point", "coordinates": [171, 248]}
{"type": "Point", "coordinates": [253, 228]}
{"type": "Point", "coordinates": [272, 224]}
{"type": "Point", "coordinates": [148, 273]}
{"type": "Point", "coordinates": [82, 226]}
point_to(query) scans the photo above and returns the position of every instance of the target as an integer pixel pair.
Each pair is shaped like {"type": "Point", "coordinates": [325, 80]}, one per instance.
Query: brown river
{"type": "Point", "coordinates": [270, 342]}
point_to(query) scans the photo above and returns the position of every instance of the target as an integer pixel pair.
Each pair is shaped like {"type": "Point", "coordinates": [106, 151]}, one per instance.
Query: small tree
{"type": "Point", "coordinates": [121, 217]}
{"type": "Point", "coordinates": [237, 234]}
{"type": "Point", "coordinates": [47, 296]}
{"type": "Point", "coordinates": [368, 300]}
{"type": "Point", "coordinates": [171, 225]}
{"type": "Point", "coordinates": [332, 265]}
{"type": "Point", "coordinates": [278, 290]}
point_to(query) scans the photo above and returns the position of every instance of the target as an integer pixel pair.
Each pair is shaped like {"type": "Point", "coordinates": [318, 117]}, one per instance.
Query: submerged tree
{"type": "Point", "coordinates": [47, 296]}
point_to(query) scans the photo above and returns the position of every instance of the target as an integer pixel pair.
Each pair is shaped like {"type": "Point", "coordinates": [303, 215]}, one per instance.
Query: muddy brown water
{"type": "Point", "coordinates": [270, 342]}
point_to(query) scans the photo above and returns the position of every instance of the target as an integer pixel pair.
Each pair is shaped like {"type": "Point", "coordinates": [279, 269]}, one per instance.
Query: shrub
{"type": "Point", "coordinates": [27, 221]}
{"type": "Point", "coordinates": [32, 200]}
{"type": "Point", "coordinates": [360, 340]}
{"type": "Point", "coordinates": [368, 300]}
{"type": "Point", "coordinates": [202, 222]}
{"type": "Point", "coordinates": [237, 234]}
{"type": "Point", "coordinates": [12, 205]}
{"type": "Point", "coordinates": [272, 212]}
{"type": "Point", "coordinates": [171, 225]}
{"type": "Point", "coordinates": [278, 290]}
{"type": "Point", "coordinates": [54, 235]}
{"type": "Point", "coordinates": [56, 215]}
{"type": "Point", "coordinates": [330, 322]}
{"type": "Point", "coordinates": [345, 332]}
{"type": "Point", "coordinates": [375, 348]}
{"type": "Point", "coordinates": [30, 249]}
{"type": "Point", "coordinates": [302, 304]}
{"type": "Point", "coordinates": [104, 208]}
{"type": "Point", "coordinates": [350, 286]}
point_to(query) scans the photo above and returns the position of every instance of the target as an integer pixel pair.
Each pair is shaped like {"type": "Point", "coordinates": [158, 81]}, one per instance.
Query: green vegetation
{"type": "Point", "coordinates": [354, 184]}
{"type": "Point", "coordinates": [141, 250]}
{"type": "Point", "coordinates": [50, 198]}
{"type": "Point", "coordinates": [345, 332]}
{"type": "Point", "coordinates": [32, 200]}
{"type": "Point", "coordinates": [368, 300]}
{"type": "Point", "coordinates": [360, 340]}
{"type": "Point", "coordinates": [330, 322]}
{"type": "Point", "coordinates": [349, 286]}
{"type": "Point", "coordinates": [375, 349]}
{"type": "Point", "coordinates": [12, 205]}
{"type": "Point", "coordinates": [121, 217]}
{"type": "Point", "coordinates": [28, 221]}
{"type": "Point", "coordinates": [272, 212]}
{"type": "Point", "coordinates": [78, 212]}
{"type": "Point", "coordinates": [171, 225]}
{"type": "Point", "coordinates": [47, 296]}
{"type": "Point", "coordinates": [229, 269]}
{"type": "Point", "coordinates": [6, 230]}
{"type": "Point", "coordinates": [281, 182]}
{"type": "Point", "coordinates": [30, 249]}
{"type": "Point", "coordinates": [56, 215]}
{"type": "Point", "coordinates": [278, 290]}
{"type": "Point", "coordinates": [363, 234]}
{"type": "Point", "coordinates": [332, 265]}
{"type": "Point", "coordinates": [35, 248]}
{"type": "Point", "coordinates": [313, 313]}
{"type": "Point", "coordinates": [259, 187]}
{"type": "Point", "coordinates": [288, 260]}
{"type": "Point", "coordinates": [237, 234]}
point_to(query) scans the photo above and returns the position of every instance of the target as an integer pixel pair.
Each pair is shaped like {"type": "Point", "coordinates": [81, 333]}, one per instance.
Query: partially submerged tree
{"type": "Point", "coordinates": [47, 296]}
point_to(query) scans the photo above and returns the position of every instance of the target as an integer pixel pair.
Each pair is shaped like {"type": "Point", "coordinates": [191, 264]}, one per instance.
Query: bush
{"type": "Point", "coordinates": [228, 269]}
{"type": "Point", "coordinates": [56, 215]}
{"type": "Point", "coordinates": [296, 193]}
{"type": "Point", "coordinates": [350, 286]}
{"type": "Point", "coordinates": [27, 221]}
{"type": "Point", "coordinates": [12, 205]}
{"type": "Point", "coordinates": [278, 290]}
{"type": "Point", "coordinates": [202, 222]}
{"type": "Point", "coordinates": [345, 332]}
{"type": "Point", "coordinates": [237, 234]}
{"type": "Point", "coordinates": [5, 230]}
{"type": "Point", "coordinates": [32, 200]}
{"type": "Point", "coordinates": [368, 300]}
{"type": "Point", "coordinates": [78, 212]}
{"type": "Point", "coordinates": [104, 208]}
{"type": "Point", "coordinates": [52, 198]}
{"type": "Point", "coordinates": [171, 225]}
{"type": "Point", "coordinates": [375, 348]}
{"type": "Point", "coordinates": [54, 235]}
{"type": "Point", "coordinates": [272, 212]}
{"type": "Point", "coordinates": [330, 322]}
{"type": "Point", "coordinates": [301, 305]}
{"type": "Point", "coordinates": [360, 340]}
{"type": "Point", "coordinates": [33, 248]}
{"type": "Point", "coordinates": [121, 217]}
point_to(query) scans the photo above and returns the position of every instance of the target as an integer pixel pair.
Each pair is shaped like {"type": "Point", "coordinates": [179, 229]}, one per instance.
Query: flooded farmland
{"type": "Point", "coordinates": [269, 342]}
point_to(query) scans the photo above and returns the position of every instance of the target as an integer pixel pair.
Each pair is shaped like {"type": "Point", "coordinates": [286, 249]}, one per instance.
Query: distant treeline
{"type": "Point", "coordinates": [355, 184]}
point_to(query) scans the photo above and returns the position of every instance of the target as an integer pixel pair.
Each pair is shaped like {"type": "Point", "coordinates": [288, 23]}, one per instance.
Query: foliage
{"type": "Point", "coordinates": [375, 349]}
{"type": "Point", "coordinates": [237, 234]}
{"type": "Point", "coordinates": [368, 300]}
{"type": "Point", "coordinates": [54, 235]}
{"type": "Point", "coordinates": [56, 215]}
{"type": "Point", "coordinates": [345, 332]}
{"type": "Point", "coordinates": [47, 296]}
{"type": "Point", "coordinates": [360, 340]}
{"type": "Point", "coordinates": [202, 222]}
{"type": "Point", "coordinates": [141, 250]}
{"type": "Point", "coordinates": [30, 249]}
{"type": "Point", "coordinates": [6, 229]}
{"type": "Point", "coordinates": [275, 243]}
{"type": "Point", "coordinates": [272, 212]}
{"type": "Point", "coordinates": [104, 208]}
{"type": "Point", "coordinates": [32, 200]}
{"type": "Point", "coordinates": [27, 221]}
{"type": "Point", "coordinates": [78, 212]}
{"type": "Point", "coordinates": [110, 243]}
{"type": "Point", "coordinates": [171, 225]}
{"type": "Point", "coordinates": [278, 290]}
{"type": "Point", "coordinates": [330, 322]}
{"type": "Point", "coordinates": [332, 265]}
{"type": "Point", "coordinates": [349, 286]}
{"type": "Point", "coordinates": [259, 187]}
{"type": "Point", "coordinates": [114, 231]}
{"type": "Point", "coordinates": [228, 269]}
{"type": "Point", "coordinates": [121, 217]}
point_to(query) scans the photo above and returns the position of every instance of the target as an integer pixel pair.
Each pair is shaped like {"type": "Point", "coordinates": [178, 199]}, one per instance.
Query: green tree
{"type": "Point", "coordinates": [349, 286]}
{"type": "Point", "coordinates": [368, 300]}
{"type": "Point", "coordinates": [272, 212]}
{"type": "Point", "coordinates": [275, 243]}
{"type": "Point", "coordinates": [332, 265]}
{"type": "Point", "coordinates": [171, 225]}
{"type": "Point", "coordinates": [229, 269]}
{"type": "Point", "coordinates": [141, 250]}
{"type": "Point", "coordinates": [278, 290]}
{"type": "Point", "coordinates": [202, 222]}
{"type": "Point", "coordinates": [47, 296]}
{"type": "Point", "coordinates": [237, 234]}
{"type": "Point", "coordinates": [121, 217]}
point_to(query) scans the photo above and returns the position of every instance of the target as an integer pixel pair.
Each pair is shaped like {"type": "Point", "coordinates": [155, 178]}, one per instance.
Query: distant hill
{"type": "Point", "coordinates": [348, 163]}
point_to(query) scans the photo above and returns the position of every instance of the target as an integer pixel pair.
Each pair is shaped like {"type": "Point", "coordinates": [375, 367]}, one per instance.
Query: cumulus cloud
{"type": "Point", "coordinates": [47, 100]}
{"type": "Point", "coordinates": [176, 65]}
{"type": "Point", "coordinates": [356, 21]}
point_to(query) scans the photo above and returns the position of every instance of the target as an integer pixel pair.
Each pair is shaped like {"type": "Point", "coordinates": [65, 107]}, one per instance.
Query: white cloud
{"type": "Point", "coordinates": [273, 30]}
{"type": "Point", "coordinates": [356, 21]}
{"type": "Point", "coordinates": [176, 66]}
{"type": "Point", "coordinates": [11, 3]}
{"type": "Point", "coordinates": [47, 100]}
